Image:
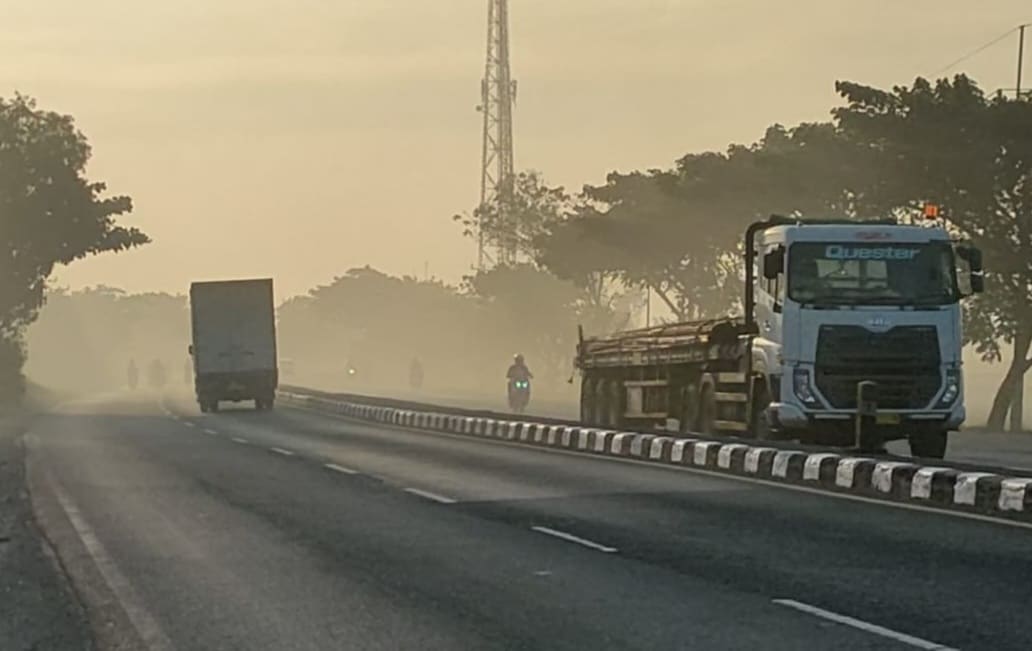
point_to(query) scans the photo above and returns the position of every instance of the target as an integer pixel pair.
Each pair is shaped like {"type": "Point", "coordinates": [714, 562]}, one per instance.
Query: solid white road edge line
{"type": "Point", "coordinates": [569, 537]}
{"type": "Point", "coordinates": [146, 625]}
{"type": "Point", "coordinates": [906, 506]}
{"type": "Point", "coordinates": [334, 467]}
{"type": "Point", "coordinates": [286, 453]}
{"type": "Point", "coordinates": [863, 626]}
{"type": "Point", "coordinates": [430, 496]}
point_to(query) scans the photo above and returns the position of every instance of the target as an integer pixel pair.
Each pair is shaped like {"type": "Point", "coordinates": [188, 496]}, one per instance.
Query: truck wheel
{"type": "Point", "coordinates": [259, 404]}
{"type": "Point", "coordinates": [213, 406]}
{"type": "Point", "coordinates": [204, 407]}
{"type": "Point", "coordinates": [760, 422]}
{"type": "Point", "coordinates": [707, 409]}
{"type": "Point", "coordinates": [689, 409]}
{"type": "Point", "coordinates": [929, 445]}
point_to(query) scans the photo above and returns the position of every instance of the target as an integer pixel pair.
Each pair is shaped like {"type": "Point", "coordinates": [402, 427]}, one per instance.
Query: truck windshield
{"type": "Point", "coordinates": [873, 274]}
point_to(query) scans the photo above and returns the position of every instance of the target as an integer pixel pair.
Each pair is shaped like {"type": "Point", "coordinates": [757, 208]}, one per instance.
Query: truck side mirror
{"type": "Point", "coordinates": [774, 263]}
{"type": "Point", "coordinates": [189, 350]}
{"type": "Point", "coordinates": [973, 257]}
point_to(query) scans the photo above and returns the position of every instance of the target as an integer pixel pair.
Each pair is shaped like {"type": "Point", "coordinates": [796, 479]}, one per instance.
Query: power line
{"type": "Point", "coordinates": [977, 51]}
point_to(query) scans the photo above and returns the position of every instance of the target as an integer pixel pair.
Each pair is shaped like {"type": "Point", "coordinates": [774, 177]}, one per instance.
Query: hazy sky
{"type": "Point", "coordinates": [299, 138]}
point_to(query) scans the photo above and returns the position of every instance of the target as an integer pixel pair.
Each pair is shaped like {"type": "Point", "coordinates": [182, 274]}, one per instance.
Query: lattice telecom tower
{"type": "Point", "coordinates": [498, 94]}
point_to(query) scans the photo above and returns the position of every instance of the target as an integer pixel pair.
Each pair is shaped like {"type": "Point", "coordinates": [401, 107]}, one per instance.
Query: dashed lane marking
{"type": "Point", "coordinates": [341, 469]}
{"type": "Point", "coordinates": [286, 453]}
{"type": "Point", "coordinates": [430, 496]}
{"type": "Point", "coordinates": [569, 537]}
{"type": "Point", "coordinates": [237, 439]}
{"type": "Point", "coordinates": [863, 626]}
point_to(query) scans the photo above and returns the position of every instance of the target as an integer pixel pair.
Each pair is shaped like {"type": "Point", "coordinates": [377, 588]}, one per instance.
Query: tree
{"type": "Point", "coordinates": [534, 209]}
{"type": "Point", "coordinates": [51, 214]}
{"type": "Point", "coordinates": [949, 143]}
{"type": "Point", "coordinates": [679, 231]}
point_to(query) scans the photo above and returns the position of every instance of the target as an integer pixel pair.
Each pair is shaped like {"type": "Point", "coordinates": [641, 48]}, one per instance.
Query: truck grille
{"type": "Point", "coordinates": [904, 361]}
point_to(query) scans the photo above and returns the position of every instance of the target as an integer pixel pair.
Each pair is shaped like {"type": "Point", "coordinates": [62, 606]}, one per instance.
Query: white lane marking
{"type": "Point", "coordinates": [211, 432]}
{"type": "Point", "coordinates": [146, 626]}
{"type": "Point", "coordinates": [664, 467]}
{"type": "Point", "coordinates": [334, 467]}
{"type": "Point", "coordinates": [569, 537]}
{"type": "Point", "coordinates": [237, 439]}
{"type": "Point", "coordinates": [863, 626]}
{"type": "Point", "coordinates": [286, 453]}
{"type": "Point", "coordinates": [430, 496]}
{"type": "Point", "coordinates": [189, 424]}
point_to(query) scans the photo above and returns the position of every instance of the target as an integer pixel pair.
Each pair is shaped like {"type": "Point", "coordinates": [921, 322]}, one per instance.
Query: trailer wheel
{"type": "Point", "coordinates": [612, 403]}
{"type": "Point", "coordinates": [707, 409]}
{"type": "Point", "coordinates": [587, 400]}
{"type": "Point", "coordinates": [204, 407]}
{"type": "Point", "coordinates": [213, 406]}
{"type": "Point", "coordinates": [600, 413]}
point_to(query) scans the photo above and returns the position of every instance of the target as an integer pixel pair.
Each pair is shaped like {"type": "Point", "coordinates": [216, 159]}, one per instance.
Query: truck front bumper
{"type": "Point", "coordinates": [838, 427]}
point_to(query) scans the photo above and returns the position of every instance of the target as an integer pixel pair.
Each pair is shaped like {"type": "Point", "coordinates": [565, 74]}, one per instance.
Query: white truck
{"type": "Point", "coordinates": [234, 342]}
{"type": "Point", "coordinates": [830, 309]}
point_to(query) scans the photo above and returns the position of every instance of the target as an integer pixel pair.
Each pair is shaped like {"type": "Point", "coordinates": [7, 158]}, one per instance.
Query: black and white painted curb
{"type": "Point", "coordinates": [938, 486]}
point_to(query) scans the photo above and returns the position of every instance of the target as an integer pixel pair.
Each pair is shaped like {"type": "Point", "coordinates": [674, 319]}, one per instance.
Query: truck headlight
{"type": "Point", "coordinates": [802, 388]}
{"type": "Point", "coordinates": [952, 390]}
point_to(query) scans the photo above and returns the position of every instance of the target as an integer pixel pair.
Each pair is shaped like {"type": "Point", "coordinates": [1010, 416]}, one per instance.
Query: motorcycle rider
{"type": "Point", "coordinates": [518, 372]}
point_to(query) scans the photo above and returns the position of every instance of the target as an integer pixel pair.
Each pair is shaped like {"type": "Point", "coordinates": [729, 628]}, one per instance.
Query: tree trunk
{"type": "Point", "coordinates": [1015, 373]}
{"type": "Point", "coordinates": [1017, 409]}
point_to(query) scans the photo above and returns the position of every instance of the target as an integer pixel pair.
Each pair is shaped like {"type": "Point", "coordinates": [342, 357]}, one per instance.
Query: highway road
{"type": "Point", "coordinates": [296, 530]}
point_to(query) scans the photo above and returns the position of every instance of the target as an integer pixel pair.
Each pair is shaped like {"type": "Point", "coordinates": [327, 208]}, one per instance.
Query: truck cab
{"type": "Point", "coordinates": [834, 305]}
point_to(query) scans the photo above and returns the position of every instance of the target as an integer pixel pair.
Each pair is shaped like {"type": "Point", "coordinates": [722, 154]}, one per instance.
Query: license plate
{"type": "Point", "coordinates": [887, 419]}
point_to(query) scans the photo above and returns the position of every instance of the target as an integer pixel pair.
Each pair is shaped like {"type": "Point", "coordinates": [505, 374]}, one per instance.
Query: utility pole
{"type": "Point", "coordinates": [498, 94]}
{"type": "Point", "coordinates": [1021, 57]}
{"type": "Point", "coordinates": [1017, 409]}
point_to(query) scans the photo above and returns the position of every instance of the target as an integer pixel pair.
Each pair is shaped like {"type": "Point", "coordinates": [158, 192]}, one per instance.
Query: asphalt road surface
{"type": "Point", "coordinates": [295, 530]}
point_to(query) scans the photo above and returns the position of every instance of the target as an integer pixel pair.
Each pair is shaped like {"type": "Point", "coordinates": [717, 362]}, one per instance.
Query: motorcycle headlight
{"type": "Point", "coordinates": [803, 388]}
{"type": "Point", "coordinates": [952, 388]}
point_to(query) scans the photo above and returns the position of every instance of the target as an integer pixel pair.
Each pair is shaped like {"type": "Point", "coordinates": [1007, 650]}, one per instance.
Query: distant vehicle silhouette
{"type": "Point", "coordinates": [416, 374]}
{"type": "Point", "coordinates": [132, 375]}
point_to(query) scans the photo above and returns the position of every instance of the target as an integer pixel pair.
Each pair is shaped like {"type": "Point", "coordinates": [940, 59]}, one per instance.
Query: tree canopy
{"type": "Point", "coordinates": [50, 214]}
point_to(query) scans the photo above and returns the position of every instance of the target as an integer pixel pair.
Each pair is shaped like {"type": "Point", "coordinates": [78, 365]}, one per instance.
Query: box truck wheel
{"type": "Point", "coordinates": [929, 444]}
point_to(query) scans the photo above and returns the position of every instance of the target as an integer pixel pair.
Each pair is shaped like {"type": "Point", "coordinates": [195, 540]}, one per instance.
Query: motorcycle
{"type": "Point", "coordinates": [519, 395]}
